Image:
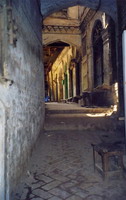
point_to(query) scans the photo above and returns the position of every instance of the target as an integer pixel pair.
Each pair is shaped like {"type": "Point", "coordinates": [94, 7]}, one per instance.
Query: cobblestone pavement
{"type": "Point", "coordinates": [62, 168]}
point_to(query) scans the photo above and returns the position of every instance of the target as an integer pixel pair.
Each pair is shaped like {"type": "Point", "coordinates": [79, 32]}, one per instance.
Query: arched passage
{"type": "Point", "coordinates": [74, 41]}
{"type": "Point", "coordinates": [54, 71]}
{"type": "Point", "coordinates": [109, 7]}
{"type": "Point", "coordinates": [91, 59]}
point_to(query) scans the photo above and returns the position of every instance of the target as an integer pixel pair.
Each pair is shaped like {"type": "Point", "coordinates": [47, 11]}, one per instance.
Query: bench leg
{"type": "Point", "coordinates": [105, 164]}
{"type": "Point", "coordinates": [94, 159]}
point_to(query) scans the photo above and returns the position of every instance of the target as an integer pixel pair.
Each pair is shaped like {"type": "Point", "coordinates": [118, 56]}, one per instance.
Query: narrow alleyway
{"type": "Point", "coordinates": [61, 166]}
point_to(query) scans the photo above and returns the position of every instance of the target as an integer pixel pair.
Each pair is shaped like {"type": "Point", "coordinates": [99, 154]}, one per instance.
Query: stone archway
{"type": "Point", "coordinates": [74, 40]}
{"type": "Point", "coordinates": [109, 7]}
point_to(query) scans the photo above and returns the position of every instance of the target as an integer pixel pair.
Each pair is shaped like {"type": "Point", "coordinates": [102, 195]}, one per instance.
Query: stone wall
{"type": "Point", "coordinates": [87, 64]}
{"type": "Point", "coordinates": [122, 14]}
{"type": "Point", "coordinates": [121, 26]}
{"type": "Point", "coordinates": [87, 60]}
{"type": "Point", "coordinates": [21, 87]}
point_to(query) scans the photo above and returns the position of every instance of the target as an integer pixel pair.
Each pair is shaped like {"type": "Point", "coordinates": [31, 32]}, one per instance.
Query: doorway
{"type": "Point", "coordinates": [98, 54]}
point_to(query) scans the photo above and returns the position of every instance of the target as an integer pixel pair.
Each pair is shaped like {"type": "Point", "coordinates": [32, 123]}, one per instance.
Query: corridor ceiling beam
{"type": "Point", "coordinates": [108, 6]}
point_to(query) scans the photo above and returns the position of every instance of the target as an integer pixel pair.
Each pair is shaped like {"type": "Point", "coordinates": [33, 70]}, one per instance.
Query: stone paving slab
{"type": "Point", "coordinates": [37, 185]}
{"type": "Point", "coordinates": [55, 198]}
{"type": "Point", "coordinates": [61, 167]}
{"type": "Point", "coordinates": [69, 184]}
{"type": "Point", "coordinates": [74, 197]}
{"type": "Point", "coordinates": [42, 194]}
{"type": "Point", "coordinates": [44, 178]}
{"type": "Point", "coordinates": [61, 193]}
{"type": "Point", "coordinates": [51, 185]}
{"type": "Point", "coordinates": [60, 178]}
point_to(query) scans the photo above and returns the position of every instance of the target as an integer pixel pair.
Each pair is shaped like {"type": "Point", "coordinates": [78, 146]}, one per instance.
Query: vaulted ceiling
{"type": "Point", "coordinates": [50, 6]}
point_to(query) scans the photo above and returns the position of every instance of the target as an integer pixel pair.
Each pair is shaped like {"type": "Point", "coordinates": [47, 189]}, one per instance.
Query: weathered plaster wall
{"type": "Point", "coordinates": [2, 149]}
{"type": "Point", "coordinates": [22, 88]}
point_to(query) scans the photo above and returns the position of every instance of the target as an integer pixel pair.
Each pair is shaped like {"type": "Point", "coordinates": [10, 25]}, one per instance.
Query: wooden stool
{"type": "Point", "coordinates": [106, 151]}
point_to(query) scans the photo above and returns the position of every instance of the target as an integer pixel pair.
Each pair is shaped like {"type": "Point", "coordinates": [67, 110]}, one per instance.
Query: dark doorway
{"type": "Point", "coordinates": [98, 54]}
{"type": "Point", "coordinates": [78, 79]}
{"type": "Point", "coordinates": [71, 82]}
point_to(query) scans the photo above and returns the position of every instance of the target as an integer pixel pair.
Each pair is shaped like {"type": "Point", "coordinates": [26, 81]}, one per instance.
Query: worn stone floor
{"type": "Point", "coordinates": [61, 167]}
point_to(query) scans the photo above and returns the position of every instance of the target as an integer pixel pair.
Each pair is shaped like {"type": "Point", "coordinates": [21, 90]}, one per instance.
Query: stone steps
{"type": "Point", "coordinates": [77, 111]}
{"type": "Point", "coordinates": [63, 117]}
{"type": "Point", "coordinates": [79, 122]}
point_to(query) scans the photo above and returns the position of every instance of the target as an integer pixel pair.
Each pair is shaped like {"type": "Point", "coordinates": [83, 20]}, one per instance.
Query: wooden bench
{"type": "Point", "coordinates": [107, 152]}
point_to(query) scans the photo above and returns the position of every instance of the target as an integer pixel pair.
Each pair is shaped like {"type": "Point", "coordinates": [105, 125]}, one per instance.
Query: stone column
{"type": "Point", "coordinates": [107, 64]}
{"type": "Point", "coordinates": [90, 68]}
{"type": "Point", "coordinates": [74, 80]}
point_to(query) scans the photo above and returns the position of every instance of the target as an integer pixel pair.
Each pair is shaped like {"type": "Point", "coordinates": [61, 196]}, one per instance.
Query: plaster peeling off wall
{"type": "Point", "coordinates": [25, 95]}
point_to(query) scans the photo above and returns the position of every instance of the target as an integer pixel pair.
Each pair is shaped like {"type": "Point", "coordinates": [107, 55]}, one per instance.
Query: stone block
{"type": "Point", "coordinates": [42, 194]}
{"type": "Point", "coordinates": [51, 185]}
{"type": "Point", "coordinates": [60, 193]}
